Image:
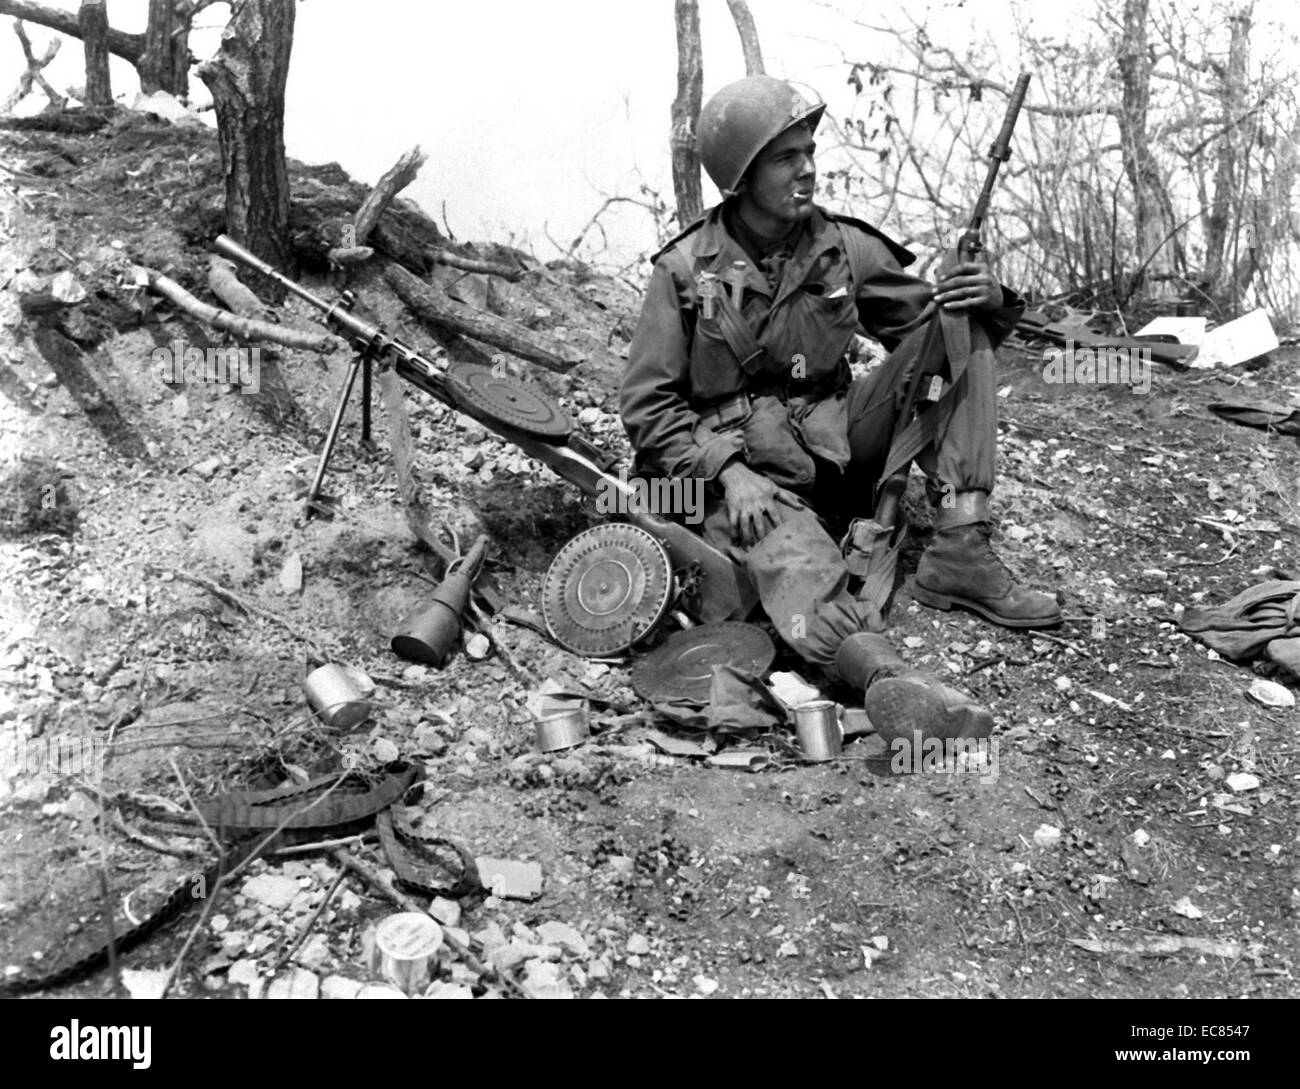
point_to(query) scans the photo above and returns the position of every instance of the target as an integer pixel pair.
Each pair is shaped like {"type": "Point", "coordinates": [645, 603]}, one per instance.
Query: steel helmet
{"type": "Point", "coordinates": [743, 118]}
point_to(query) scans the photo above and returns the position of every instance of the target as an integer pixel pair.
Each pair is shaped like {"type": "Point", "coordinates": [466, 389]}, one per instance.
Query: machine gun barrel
{"type": "Point", "coordinates": [338, 315]}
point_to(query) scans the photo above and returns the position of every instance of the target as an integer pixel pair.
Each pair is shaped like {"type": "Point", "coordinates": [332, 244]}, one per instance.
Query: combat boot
{"type": "Point", "coordinates": [903, 702]}
{"type": "Point", "coordinates": [961, 568]}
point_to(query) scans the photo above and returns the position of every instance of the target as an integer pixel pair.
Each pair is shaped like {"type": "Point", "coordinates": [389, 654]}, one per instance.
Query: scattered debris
{"type": "Point", "coordinates": [1187, 909]}
{"type": "Point", "coordinates": [294, 983]}
{"type": "Point", "coordinates": [333, 695]}
{"type": "Point", "coordinates": [1241, 781]}
{"type": "Point", "coordinates": [145, 983]}
{"type": "Point", "coordinates": [1047, 835]}
{"type": "Point", "coordinates": [291, 574]}
{"type": "Point", "coordinates": [744, 759]}
{"type": "Point", "coordinates": [1163, 945]}
{"type": "Point", "coordinates": [1270, 694]}
{"type": "Point", "coordinates": [509, 879]}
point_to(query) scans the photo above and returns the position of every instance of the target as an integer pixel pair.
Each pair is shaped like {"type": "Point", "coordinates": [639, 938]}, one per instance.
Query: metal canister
{"type": "Point", "coordinates": [736, 277]}
{"type": "Point", "coordinates": [407, 948]}
{"type": "Point", "coordinates": [333, 694]}
{"type": "Point", "coordinates": [563, 729]}
{"type": "Point", "coordinates": [709, 286]}
{"type": "Point", "coordinates": [818, 730]}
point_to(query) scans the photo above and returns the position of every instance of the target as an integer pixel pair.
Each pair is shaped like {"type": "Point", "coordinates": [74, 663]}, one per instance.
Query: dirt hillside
{"type": "Point", "coordinates": [1105, 853]}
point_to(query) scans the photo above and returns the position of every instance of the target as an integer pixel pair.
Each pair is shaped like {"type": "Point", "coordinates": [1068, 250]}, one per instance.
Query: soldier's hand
{"type": "Point", "coordinates": [969, 285]}
{"type": "Point", "coordinates": [751, 503]}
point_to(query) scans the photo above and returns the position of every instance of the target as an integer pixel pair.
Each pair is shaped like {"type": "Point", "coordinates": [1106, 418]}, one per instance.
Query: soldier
{"type": "Point", "coordinates": [737, 375]}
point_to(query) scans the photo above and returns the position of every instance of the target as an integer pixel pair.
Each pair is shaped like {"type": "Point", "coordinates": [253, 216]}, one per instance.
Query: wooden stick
{"type": "Point", "coordinates": [329, 895]}
{"type": "Point", "coordinates": [395, 179]}
{"type": "Point", "coordinates": [246, 606]}
{"type": "Point", "coordinates": [473, 264]}
{"type": "Point", "coordinates": [149, 841]}
{"type": "Point", "coordinates": [350, 255]}
{"type": "Point", "coordinates": [224, 283]}
{"type": "Point", "coordinates": [197, 812]}
{"type": "Point", "coordinates": [247, 328]}
{"type": "Point", "coordinates": [436, 308]}
{"type": "Point", "coordinates": [33, 72]}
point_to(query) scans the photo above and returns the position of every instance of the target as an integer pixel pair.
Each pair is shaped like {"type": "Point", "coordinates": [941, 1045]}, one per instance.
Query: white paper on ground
{"type": "Point", "coordinates": [1237, 341]}
{"type": "Point", "coordinates": [1186, 330]}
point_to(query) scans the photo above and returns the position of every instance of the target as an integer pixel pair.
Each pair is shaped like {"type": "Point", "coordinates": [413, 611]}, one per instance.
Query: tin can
{"type": "Point", "coordinates": [818, 730]}
{"type": "Point", "coordinates": [407, 948]}
{"type": "Point", "coordinates": [333, 694]}
{"type": "Point", "coordinates": [563, 729]}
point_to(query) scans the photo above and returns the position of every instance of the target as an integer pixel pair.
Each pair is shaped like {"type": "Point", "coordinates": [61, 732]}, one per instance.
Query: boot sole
{"type": "Point", "coordinates": [900, 708]}
{"type": "Point", "coordinates": [945, 602]}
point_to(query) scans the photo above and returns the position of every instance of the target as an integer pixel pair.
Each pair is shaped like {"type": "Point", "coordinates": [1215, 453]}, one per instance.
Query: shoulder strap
{"type": "Point", "coordinates": [901, 254]}
{"type": "Point", "coordinates": [685, 233]}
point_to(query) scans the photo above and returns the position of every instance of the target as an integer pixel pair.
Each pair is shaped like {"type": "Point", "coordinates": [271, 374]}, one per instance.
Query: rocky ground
{"type": "Point", "coordinates": [1136, 835]}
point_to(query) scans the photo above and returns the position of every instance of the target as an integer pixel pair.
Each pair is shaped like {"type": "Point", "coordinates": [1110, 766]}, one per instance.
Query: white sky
{"type": "Point", "coordinates": [530, 111]}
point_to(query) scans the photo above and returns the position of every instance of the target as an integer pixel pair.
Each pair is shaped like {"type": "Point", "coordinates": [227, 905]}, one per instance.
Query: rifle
{"type": "Point", "coordinates": [1034, 323]}
{"type": "Point", "coordinates": [880, 538]}
{"type": "Point", "coordinates": [719, 588]}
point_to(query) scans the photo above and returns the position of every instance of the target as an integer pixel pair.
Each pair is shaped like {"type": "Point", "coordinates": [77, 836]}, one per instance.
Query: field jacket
{"type": "Point", "coordinates": [680, 366]}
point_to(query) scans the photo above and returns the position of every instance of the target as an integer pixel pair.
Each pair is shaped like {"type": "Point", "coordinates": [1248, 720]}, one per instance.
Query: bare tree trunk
{"type": "Point", "coordinates": [166, 60]}
{"type": "Point", "coordinates": [1232, 155]}
{"type": "Point", "coordinates": [686, 111]}
{"type": "Point", "coordinates": [93, 19]}
{"type": "Point", "coordinates": [1152, 209]}
{"type": "Point", "coordinates": [247, 78]}
{"type": "Point", "coordinates": [744, 21]}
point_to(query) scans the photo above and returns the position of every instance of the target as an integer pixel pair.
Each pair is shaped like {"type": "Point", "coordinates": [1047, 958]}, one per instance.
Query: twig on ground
{"type": "Point", "coordinates": [246, 606]}
{"type": "Point", "coordinates": [193, 805]}
{"type": "Point", "coordinates": [320, 908]}
{"type": "Point", "coordinates": [1020, 926]}
{"type": "Point", "coordinates": [107, 901]}
{"type": "Point", "coordinates": [1213, 563]}
{"type": "Point", "coordinates": [1035, 634]}
{"type": "Point", "coordinates": [150, 842]}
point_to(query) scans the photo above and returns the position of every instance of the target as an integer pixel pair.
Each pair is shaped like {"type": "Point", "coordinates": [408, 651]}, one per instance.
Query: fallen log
{"type": "Point", "coordinates": [248, 328]}
{"type": "Point", "coordinates": [434, 307]}
{"type": "Point", "coordinates": [322, 217]}
{"type": "Point", "coordinates": [395, 179]}
{"type": "Point", "coordinates": [224, 283]}
{"type": "Point", "coordinates": [473, 264]}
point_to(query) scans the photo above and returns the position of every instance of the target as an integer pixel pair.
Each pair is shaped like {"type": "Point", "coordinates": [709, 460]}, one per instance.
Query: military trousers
{"type": "Point", "coordinates": [798, 568]}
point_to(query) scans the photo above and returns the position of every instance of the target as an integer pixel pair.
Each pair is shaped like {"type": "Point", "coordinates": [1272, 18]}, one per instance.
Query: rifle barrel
{"type": "Point", "coordinates": [998, 153]}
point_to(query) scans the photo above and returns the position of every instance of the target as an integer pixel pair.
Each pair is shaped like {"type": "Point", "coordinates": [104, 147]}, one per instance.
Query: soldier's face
{"type": "Point", "coordinates": [780, 183]}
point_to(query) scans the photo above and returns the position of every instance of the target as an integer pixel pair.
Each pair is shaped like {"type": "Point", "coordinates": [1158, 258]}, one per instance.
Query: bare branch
{"type": "Point", "coordinates": [744, 20]}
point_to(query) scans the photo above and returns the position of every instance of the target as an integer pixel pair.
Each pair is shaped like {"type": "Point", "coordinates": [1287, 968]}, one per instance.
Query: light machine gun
{"type": "Point", "coordinates": [718, 588]}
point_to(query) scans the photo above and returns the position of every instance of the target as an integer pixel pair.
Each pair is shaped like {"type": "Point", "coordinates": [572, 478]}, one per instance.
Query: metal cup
{"type": "Point", "coordinates": [333, 695]}
{"type": "Point", "coordinates": [563, 730]}
{"type": "Point", "coordinates": [818, 730]}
